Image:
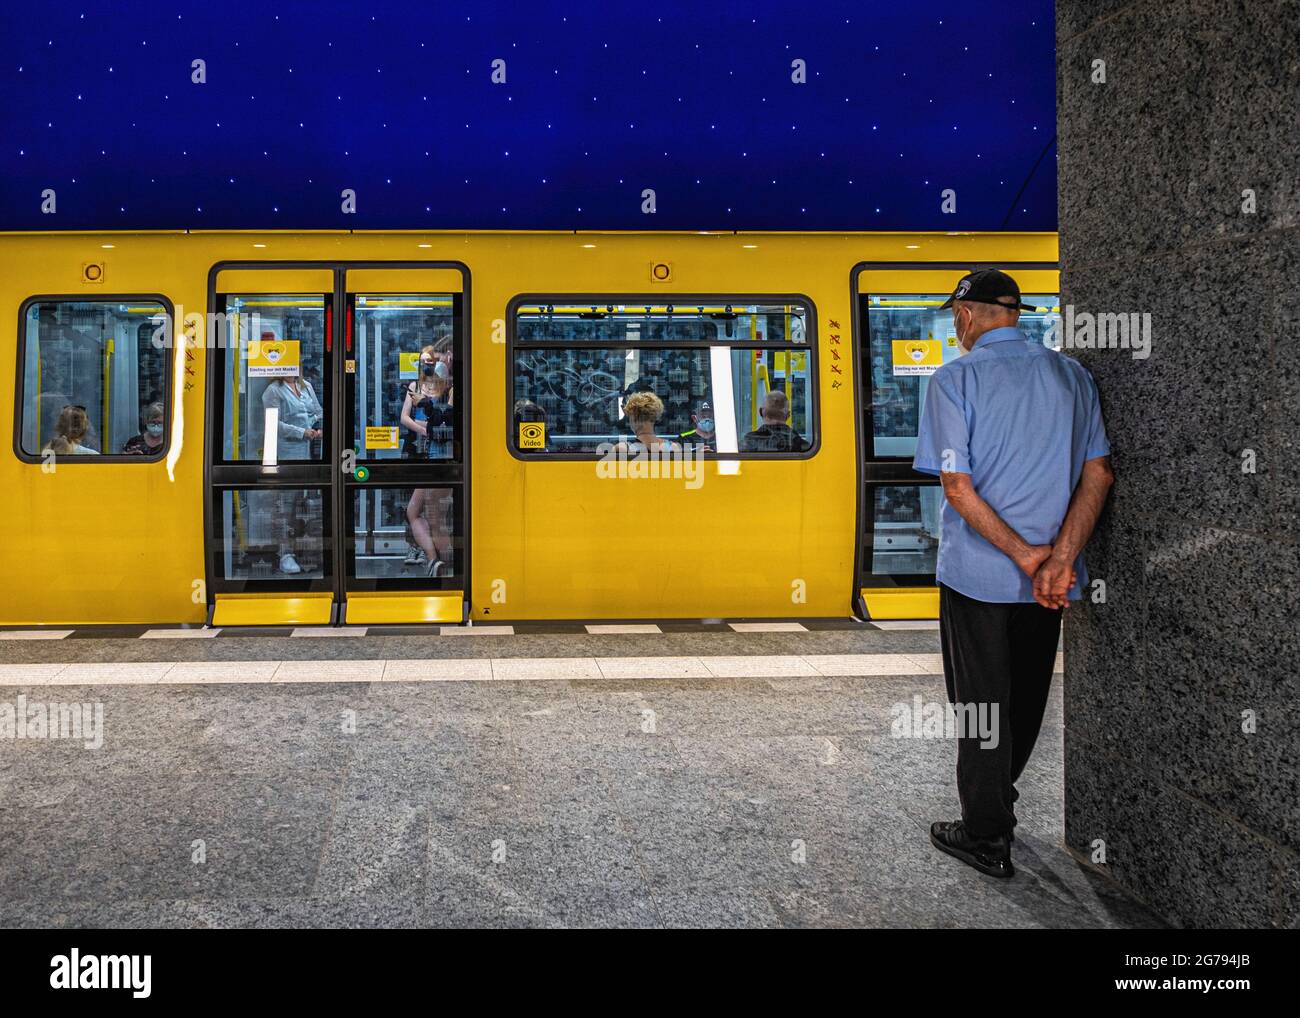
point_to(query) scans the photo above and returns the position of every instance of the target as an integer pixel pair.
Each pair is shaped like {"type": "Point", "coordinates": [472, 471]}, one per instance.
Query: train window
{"type": "Point", "coordinates": [276, 363]}
{"type": "Point", "coordinates": [731, 380]}
{"type": "Point", "coordinates": [394, 336]}
{"type": "Point", "coordinates": [910, 337]}
{"type": "Point", "coordinates": [907, 525]}
{"type": "Point", "coordinates": [261, 527]}
{"type": "Point", "coordinates": [94, 379]}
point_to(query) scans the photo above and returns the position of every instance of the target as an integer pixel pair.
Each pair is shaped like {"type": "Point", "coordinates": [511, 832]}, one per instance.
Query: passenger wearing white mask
{"type": "Point", "coordinates": [425, 415]}
{"type": "Point", "coordinates": [150, 440]}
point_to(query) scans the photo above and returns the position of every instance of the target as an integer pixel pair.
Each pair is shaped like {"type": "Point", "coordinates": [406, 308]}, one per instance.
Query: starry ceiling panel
{"type": "Point", "coordinates": [529, 116]}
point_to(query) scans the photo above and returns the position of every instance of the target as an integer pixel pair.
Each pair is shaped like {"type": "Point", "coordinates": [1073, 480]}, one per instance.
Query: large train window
{"type": "Point", "coordinates": [910, 337]}
{"type": "Point", "coordinates": [93, 379]}
{"type": "Point", "coordinates": [728, 379]}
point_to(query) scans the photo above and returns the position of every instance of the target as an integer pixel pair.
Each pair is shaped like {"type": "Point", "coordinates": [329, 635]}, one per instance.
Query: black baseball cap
{"type": "Point", "coordinates": [988, 286]}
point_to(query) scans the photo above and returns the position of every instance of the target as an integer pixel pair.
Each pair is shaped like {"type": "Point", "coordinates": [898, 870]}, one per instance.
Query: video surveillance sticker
{"type": "Point", "coordinates": [532, 435]}
{"type": "Point", "coordinates": [917, 356]}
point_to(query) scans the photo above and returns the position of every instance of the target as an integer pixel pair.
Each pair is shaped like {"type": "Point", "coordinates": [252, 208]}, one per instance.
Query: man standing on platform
{"type": "Point", "coordinates": [1014, 431]}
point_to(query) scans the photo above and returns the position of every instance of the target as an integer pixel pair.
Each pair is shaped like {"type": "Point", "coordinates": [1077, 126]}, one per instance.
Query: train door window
{"type": "Point", "coordinates": [405, 404]}
{"type": "Point", "coordinates": [276, 370]}
{"type": "Point", "coordinates": [405, 504]}
{"type": "Point", "coordinates": [731, 379]}
{"type": "Point", "coordinates": [262, 528]}
{"type": "Point", "coordinates": [904, 336]}
{"type": "Point", "coordinates": [904, 527]}
{"type": "Point", "coordinates": [909, 338]}
{"type": "Point", "coordinates": [94, 379]}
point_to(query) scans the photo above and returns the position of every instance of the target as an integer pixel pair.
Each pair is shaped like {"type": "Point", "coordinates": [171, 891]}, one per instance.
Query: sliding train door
{"type": "Point", "coordinates": [404, 491]}
{"type": "Point", "coordinates": [336, 461]}
{"type": "Point", "coordinates": [901, 337]}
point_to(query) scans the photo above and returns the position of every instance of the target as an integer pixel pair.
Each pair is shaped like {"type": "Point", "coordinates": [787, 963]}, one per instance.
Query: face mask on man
{"type": "Point", "coordinates": [154, 429]}
{"type": "Point", "coordinates": [961, 345]}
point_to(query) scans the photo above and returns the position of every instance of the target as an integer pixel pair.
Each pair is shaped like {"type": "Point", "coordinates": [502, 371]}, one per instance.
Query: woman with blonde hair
{"type": "Point", "coordinates": [69, 430]}
{"type": "Point", "coordinates": [643, 410]}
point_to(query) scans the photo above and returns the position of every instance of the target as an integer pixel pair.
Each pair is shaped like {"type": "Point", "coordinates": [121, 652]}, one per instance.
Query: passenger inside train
{"type": "Point", "coordinates": [70, 433]}
{"type": "Point", "coordinates": [429, 419]}
{"type": "Point", "coordinates": [775, 434]}
{"type": "Point", "coordinates": [643, 411]}
{"type": "Point", "coordinates": [581, 364]}
{"type": "Point", "coordinates": [150, 439]}
{"type": "Point", "coordinates": [703, 433]}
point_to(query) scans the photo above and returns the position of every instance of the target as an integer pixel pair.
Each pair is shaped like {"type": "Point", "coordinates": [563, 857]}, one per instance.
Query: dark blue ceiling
{"type": "Point", "coordinates": [601, 101]}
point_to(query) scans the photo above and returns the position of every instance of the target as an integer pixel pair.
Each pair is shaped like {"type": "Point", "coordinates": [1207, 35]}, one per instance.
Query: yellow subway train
{"type": "Point", "coordinates": [396, 428]}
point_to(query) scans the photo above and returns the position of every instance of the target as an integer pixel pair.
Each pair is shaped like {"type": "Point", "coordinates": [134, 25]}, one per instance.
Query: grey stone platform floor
{"type": "Point", "coordinates": [753, 802]}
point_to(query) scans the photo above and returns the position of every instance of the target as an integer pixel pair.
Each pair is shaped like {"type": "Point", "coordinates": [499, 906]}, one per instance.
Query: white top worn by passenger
{"type": "Point", "coordinates": [299, 412]}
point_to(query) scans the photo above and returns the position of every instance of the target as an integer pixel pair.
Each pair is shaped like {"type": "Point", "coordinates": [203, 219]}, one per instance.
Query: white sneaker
{"type": "Point", "coordinates": [289, 564]}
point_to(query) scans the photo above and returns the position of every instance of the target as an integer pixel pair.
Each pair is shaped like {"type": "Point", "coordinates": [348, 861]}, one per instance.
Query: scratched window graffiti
{"type": "Point", "coordinates": [731, 379]}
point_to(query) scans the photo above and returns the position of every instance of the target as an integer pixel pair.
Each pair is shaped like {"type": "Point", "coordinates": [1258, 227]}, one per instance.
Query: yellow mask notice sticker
{"type": "Point", "coordinates": [381, 438]}
{"type": "Point", "coordinates": [408, 364]}
{"type": "Point", "coordinates": [532, 435]}
{"type": "Point", "coordinates": [273, 358]}
{"type": "Point", "coordinates": [917, 356]}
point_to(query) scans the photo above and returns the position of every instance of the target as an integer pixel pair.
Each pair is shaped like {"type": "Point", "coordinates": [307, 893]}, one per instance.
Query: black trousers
{"type": "Point", "coordinates": [995, 655]}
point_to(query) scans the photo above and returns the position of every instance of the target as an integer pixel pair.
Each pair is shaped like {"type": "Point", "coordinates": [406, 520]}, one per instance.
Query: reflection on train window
{"type": "Point", "coordinates": [907, 529]}
{"type": "Point", "coordinates": [275, 370]}
{"type": "Point", "coordinates": [910, 337]}
{"type": "Point", "coordinates": [571, 397]}
{"type": "Point", "coordinates": [94, 381]}
{"type": "Point", "coordinates": [662, 323]}
{"type": "Point", "coordinates": [405, 350]}
{"type": "Point", "coordinates": [406, 533]}
{"type": "Point", "coordinates": [273, 534]}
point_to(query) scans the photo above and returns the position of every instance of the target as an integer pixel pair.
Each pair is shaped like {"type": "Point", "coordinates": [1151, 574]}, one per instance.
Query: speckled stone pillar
{"type": "Point", "coordinates": [1180, 196]}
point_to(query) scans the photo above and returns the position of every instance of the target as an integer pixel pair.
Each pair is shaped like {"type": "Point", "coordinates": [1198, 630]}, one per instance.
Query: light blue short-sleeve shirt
{"type": "Point", "coordinates": [1021, 420]}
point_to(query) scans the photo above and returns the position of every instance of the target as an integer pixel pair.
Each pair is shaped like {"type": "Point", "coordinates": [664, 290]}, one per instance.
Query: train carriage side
{"type": "Point", "coordinates": [778, 485]}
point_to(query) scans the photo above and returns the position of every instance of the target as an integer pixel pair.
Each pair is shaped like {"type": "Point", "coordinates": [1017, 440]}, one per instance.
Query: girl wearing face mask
{"type": "Point", "coordinates": [150, 440]}
{"type": "Point", "coordinates": [424, 416]}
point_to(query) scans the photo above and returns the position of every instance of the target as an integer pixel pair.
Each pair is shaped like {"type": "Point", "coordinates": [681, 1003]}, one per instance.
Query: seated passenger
{"type": "Point", "coordinates": [774, 435]}
{"type": "Point", "coordinates": [704, 433]}
{"type": "Point", "coordinates": [69, 432]}
{"type": "Point", "coordinates": [643, 411]}
{"type": "Point", "coordinates": [150, 440]}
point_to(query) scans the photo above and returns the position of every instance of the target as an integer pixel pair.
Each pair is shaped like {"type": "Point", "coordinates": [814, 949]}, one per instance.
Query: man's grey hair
{"type": "Point", "coordinates": [775, 404]}
{"type": "Point", "coordinates": [982, 312]}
